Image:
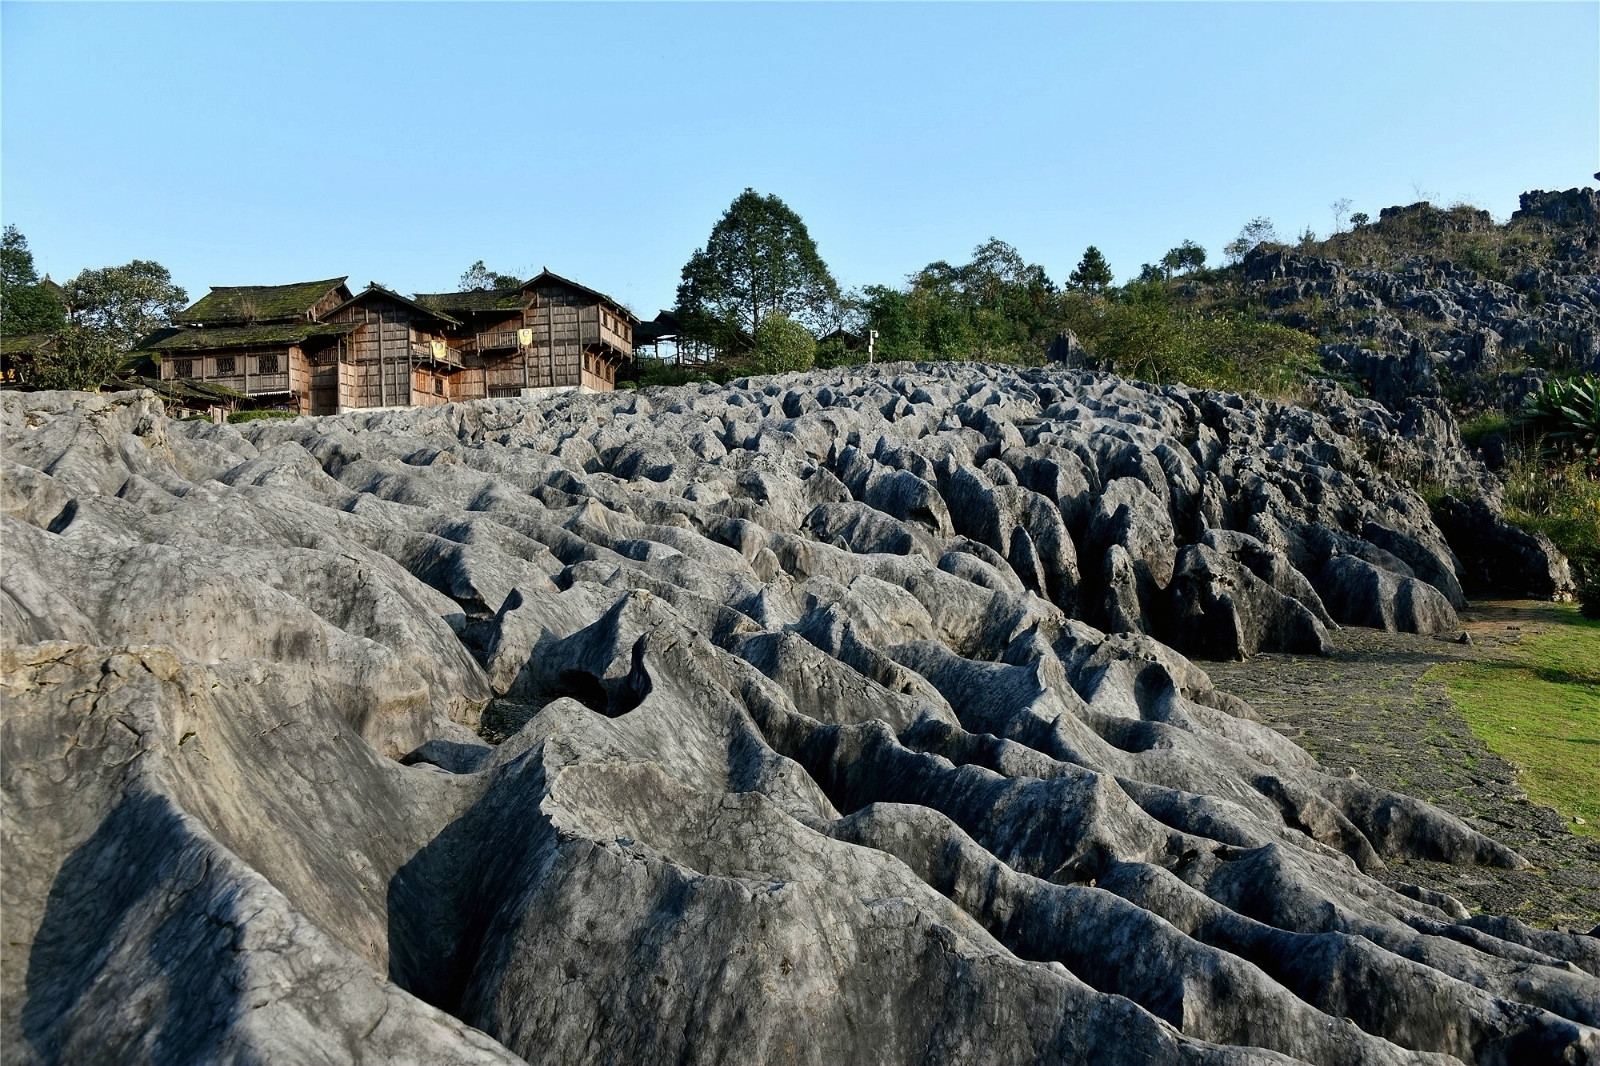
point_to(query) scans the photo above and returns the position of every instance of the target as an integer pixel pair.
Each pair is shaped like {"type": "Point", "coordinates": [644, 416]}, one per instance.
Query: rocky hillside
{"type": "Point", "coordinates": [840, 717]}
{"type": "Point", "coordinates": [1426, 301]}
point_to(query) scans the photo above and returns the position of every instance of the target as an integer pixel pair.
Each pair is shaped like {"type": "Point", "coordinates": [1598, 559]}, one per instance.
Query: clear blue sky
{"type": "Point", "coordinates": [267, 143]}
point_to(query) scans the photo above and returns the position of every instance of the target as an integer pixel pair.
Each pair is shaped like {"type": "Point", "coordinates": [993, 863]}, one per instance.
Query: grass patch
{"type": "Point", "coordinates": [236, 417]}
{"type": "Point", "coordinates": [1540, 710]}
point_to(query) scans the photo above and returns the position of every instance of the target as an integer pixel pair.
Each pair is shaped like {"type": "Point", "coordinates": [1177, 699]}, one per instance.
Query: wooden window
{"type": "Point", "coordinates": [183, 368]}
{"type": "Point", "coordinates": [225, 365]}
{"type": "Point", "coordinates": [267, 364]}
{"type": "Point", "coordinates": [438, 386]}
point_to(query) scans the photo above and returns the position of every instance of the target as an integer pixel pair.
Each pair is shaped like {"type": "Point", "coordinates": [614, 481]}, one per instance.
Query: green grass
{"type": "Point", "coordinates": [236, 417]}
{"type": "Point", "coordinates": [1540, 710]}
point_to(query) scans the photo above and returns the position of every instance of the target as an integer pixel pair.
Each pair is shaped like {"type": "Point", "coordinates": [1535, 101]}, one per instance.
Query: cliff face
{"type": "Point", "coordinates": [839, 717]}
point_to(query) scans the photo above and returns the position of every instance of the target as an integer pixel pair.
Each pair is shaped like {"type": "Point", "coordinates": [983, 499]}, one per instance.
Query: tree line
{"type": "Point", "coordinates": [759, 290]}
{"type": "Point", "coordinates": [82, 330]}
{"type": "Point", "coordinates": [759, 297]}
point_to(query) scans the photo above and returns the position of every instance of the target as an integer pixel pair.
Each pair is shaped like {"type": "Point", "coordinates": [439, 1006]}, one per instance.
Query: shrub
{"type": "Point", "coordinates": [834, 352]}
{"type": "Point", "coordinates": [1589, 593]}
{"type": "Point", "coordinates": [1148, 339]}
{"type": "Point", "coordinates": [782, 345]}
{"type": "Point", "coordinates": [236, 417]}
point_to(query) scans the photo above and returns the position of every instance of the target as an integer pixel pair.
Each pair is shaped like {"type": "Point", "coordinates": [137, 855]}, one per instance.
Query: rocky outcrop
{"type": "Point", "coordinates": [1397, 328]}
{"type": "Point", "coordinates": [749, 723]}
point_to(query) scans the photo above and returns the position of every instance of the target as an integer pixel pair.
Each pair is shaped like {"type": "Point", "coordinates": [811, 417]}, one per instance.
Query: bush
{"type": "Point", "coordinates": [834, 352]}
{"type": "Point", "coordinates": [236, 417]}
{"type": "Point", "coordinates": [1589, 593]}
{"type": "Point", "coordinates": [1146, 338]}
{"type": "Point", "coordinates": [782, 345]}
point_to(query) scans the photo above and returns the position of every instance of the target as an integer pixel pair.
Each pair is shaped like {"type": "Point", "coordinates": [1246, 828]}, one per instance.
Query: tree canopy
{"type": "Point", "coordinates": [1093, 273]}
{"type": "Point", "coordinates": [27, 305]}
{"type": "Point", "coordinates": [123, 303]}
{"type": "Point", "coordinates": [759, 261]}
{"type": "Point", "coordinates": [478, 276]}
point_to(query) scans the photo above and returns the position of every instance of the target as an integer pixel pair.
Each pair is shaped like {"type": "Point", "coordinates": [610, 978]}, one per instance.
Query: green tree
{"type": "Point", "coordinates": [1093, 273]}
{"type": "Point", "coordinates": [478, 276]}
{"type": "Point", "coordinates": [1186, 256]}
{"type": "Point", "coordinates": [1258, 230]}
{"type": "Point", "coordinates": [26, 305]}
{"type": "Point", "coordinates": [123, 303]}
{"type": "Point", "coordinates": [782, 345]}
{"type": "Point", "coordinates": [759, 261]}
{"type": "Point", "coordinates": [82, 358]}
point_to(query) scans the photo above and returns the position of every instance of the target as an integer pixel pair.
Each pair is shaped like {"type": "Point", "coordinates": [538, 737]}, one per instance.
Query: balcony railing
{"type": "Point", "coordinates": [497, 341]}
{"type": "Point", "coordinates": [428, 352]}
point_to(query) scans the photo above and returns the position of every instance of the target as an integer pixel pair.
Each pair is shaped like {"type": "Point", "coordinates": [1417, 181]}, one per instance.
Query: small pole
{"type": "Point", "coordinates": [872, 342]}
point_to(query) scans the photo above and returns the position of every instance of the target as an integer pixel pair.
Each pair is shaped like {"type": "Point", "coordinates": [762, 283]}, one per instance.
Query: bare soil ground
{"type": "Point", "coordinates": [1368, 707]}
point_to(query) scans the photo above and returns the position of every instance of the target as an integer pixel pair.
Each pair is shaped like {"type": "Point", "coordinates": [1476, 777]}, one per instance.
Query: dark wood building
{"type": "Point", "coordinates": [397, 353]}
{"type": "Point", "coordinates": [314, 348]}
{"type": "Point", "coordinates": [261, 341]}
{"type": "Point", "coordinates": [551, 334]}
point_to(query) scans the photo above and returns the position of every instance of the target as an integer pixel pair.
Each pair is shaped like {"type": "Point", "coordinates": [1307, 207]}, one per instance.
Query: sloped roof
{"type": "Point", "coordinates": [374, 289]}
{"type": "Point", "coordinates": [472, 300]}
{"type": "Point", "coordinates": [178, 340]}
{"type": "Point", "coordinates": [546, 276]}
{"type": "Point", "coordinates": [27, 344]}
{"type": "Point", "coordinates": [259, 303]}
{"type": "Point", "coordinates": [184, 390]}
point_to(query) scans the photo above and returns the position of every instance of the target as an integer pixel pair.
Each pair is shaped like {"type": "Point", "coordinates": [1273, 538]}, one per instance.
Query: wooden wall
{"type": "Point", "coordinates": [375, 368]}
{"type": "Point", "coordinates": [260, 371]}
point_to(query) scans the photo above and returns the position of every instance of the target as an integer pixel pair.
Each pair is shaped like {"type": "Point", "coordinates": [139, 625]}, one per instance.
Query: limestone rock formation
{"type": "Point", "coordinates": [755, 723]}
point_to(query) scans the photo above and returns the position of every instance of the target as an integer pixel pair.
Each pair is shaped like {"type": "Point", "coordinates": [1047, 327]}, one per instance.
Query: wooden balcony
{"type": "Point", "coordinates": [427, 352]}
{"type": "Point", "coordinates": [504, 340]}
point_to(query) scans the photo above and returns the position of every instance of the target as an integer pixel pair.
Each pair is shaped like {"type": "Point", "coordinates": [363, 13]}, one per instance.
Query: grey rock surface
{"type": "Point", "coordinates": [722, 724]}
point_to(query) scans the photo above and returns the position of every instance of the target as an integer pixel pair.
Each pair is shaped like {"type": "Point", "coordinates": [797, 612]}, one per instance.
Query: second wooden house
{"type": "Point", "coordinates": [550, 335]}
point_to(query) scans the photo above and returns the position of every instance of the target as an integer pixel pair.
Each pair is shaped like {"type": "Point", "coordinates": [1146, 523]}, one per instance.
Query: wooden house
{"type": "Point", "coordinates": [550, 335]}
{"type": "Point", "coordinates": [261, 341]}
{"type": "Point", "coordinates": [396, 352]}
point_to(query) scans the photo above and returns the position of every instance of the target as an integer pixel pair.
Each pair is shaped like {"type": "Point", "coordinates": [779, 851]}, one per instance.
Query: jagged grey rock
{"type": "Point", "coordinates": [749, 723]}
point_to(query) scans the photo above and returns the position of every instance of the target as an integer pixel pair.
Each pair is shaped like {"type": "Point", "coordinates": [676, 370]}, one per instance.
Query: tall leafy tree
{"type": "Point", "coordinates": [478, 276]}
{"type": "Point", "coordinates": [123, 303]}
{"type": "Point", "coordinates": [1093, 273]}
{"type": "Point", "coordinates": [26, 304]}
{"type": "Point", "coordinates": [759, 261]}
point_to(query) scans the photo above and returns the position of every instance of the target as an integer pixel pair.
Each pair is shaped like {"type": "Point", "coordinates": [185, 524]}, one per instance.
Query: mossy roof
{"type": "Point", "coordinates": [258, 303]}
{"type": "Point", "coordinates": [456, 303]}
{"type": "Point", "coordinates": [27, 344]}
{"type": "Point", "coordinates": [374, 289]}
{"type": "Point", "coordinates": [184, 391]}
{"type": "Point", "coordinates": [190, 339]}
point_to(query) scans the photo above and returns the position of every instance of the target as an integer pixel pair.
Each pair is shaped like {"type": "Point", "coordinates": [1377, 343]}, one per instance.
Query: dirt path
{"type": "Point", "coordinates": [1368, 707]}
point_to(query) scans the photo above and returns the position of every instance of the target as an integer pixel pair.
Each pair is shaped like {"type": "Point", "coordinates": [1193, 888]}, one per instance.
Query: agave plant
{"type": "Point", "coordinates": [1567, 415]}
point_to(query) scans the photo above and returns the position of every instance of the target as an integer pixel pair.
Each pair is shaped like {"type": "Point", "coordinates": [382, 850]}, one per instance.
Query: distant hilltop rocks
{"type": "Point", "coordinates": [1482, 311]}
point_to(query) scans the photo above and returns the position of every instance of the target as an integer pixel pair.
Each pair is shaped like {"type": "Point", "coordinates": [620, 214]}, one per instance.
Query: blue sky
{"type": "Point", "coordinates": [245, 143]}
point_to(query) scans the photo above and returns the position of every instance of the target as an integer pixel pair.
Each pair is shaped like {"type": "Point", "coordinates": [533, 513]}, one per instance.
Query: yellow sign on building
{"type": "Point", "coordinates": [525, 337]}
{"type": "Point", "coordinates": [440, 350]}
